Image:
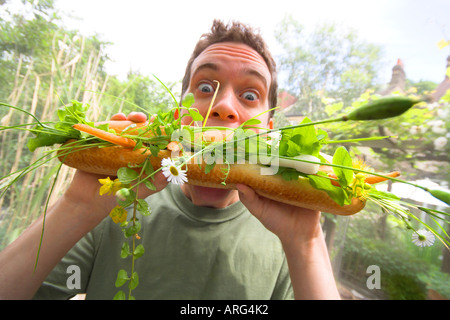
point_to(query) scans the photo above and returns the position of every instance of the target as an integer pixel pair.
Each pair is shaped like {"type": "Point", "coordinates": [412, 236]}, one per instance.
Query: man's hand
{"type": "Point", "coordinates": [301, 235]}
{"type": "Point", "coordinates": [286, 221]}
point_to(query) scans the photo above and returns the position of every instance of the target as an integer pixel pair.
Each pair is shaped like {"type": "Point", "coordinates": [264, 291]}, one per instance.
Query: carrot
{"type": "Point", "coordinates": [107, 136]}
{"type": "Point", "coordinates": [370, 179]}
{"type": "Point", "coordinates": [333, 182]}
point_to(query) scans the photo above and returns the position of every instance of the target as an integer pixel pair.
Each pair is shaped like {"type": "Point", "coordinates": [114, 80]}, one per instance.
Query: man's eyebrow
{"type": "Point", "coordinates": [208, 65]}
{"type": "Point", "coordinates": [257, 74]}
{"type": "Point", "coordinates": [215, 67]}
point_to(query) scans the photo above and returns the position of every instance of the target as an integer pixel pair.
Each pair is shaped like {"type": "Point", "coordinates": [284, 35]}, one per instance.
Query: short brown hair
{"type": "Point", "coordinates": [240, 33]}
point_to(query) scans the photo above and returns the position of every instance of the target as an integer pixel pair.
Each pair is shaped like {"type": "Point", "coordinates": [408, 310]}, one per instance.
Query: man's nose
{"type": "Point", "coordinates": [225, 106]}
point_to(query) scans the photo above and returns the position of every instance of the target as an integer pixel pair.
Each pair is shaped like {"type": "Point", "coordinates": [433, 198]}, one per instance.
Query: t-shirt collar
{"type": "Point", "coordinates": [204, 214]}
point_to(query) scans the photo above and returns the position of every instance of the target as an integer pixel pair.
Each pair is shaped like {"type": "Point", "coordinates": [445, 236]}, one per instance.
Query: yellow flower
{"type": "Point", "coordinates": [359, 163]}
{"type": "Point", "coordinates": [118, 214]}
{"type": "Point", "coordinates": [358, 186]}
{"type": "Point", "coordinates": [109, 186]}
{"type": "Point", "coordinates": [442, 43]}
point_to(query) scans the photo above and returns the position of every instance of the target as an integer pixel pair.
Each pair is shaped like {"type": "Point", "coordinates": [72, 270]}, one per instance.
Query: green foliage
{"type": "Point", "coordinates": [422, 87]}
{"type": "Point", "coordinates": [137, 92]}
{"type": "Point", "coordinates": [34, 43]}
{"type": "Point", "coordinates": [405, 287]}
{"type": "Point", "coordinates": [407, 271]}
{"type": "Point", "coordinates": [437, 281]}
{"type": "Point", "coordinates": [398, 267]}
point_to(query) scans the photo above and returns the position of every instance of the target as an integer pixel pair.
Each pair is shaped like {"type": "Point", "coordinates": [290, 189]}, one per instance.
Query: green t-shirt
{"type": "Point", "coordinates": [191, 252]}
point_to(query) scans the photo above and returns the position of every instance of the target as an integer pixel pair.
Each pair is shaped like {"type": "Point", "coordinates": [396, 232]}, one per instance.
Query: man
{"type": "Point", "coordinates": [201, 243]}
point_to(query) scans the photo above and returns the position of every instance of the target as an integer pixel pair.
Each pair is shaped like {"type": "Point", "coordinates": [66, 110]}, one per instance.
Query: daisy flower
{"type": "Point", "coordinates": [172, 172]}
{"type": "Point", "coordinates": [423, 238]}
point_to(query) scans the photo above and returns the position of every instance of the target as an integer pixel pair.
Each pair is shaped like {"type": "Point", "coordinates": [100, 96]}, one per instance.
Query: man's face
{"type": "Point", "coordinates": [244, 84]}
{"type": "Point", "coordinates": [243, 93]}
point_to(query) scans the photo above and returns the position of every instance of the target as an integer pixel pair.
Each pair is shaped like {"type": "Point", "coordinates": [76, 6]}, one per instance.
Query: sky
{"type": "Point", "coordinates": [157, 37]}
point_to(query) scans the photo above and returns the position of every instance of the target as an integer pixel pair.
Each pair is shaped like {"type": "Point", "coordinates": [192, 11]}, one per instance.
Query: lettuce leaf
{"type": "Point", "coordinates": [342, 157]}
{"type": "Point", "coordinates": [301, 140]}
{"type": "Point", "coordinates": [61, 130]}
{"type": "Point", "coordinates": [336, 193]}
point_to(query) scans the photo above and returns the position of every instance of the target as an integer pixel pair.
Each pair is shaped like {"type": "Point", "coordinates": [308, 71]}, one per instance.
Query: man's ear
{"type": "Point", "coordinates": [271, 123]}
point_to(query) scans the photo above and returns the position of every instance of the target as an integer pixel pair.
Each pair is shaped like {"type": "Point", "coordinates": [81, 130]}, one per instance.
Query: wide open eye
{"type": "Point", "coordinates": [249, 95]}
{"type": "Point", "coordinates": [205, 87]}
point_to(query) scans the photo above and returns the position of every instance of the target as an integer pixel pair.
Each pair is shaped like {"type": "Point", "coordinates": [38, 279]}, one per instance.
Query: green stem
{"type": "Point", "coordinates": [167, 89]}
{"type": "Point", "coordinates": [25, 111]}
{"type": "Point", "coordinates": [357, 140]}
{"type": "Point", "coordinates": [45, 215]}
{"type": "Point", "coordinates": [133, 245]}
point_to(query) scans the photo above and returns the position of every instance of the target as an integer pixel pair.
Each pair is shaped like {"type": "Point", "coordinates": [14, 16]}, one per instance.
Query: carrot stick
{"type": "Point", "coordinates": [370, 179]}
{"type": "Point", "coordinates": [334, 182]}
{"type": "Point", "coordinates": [107, 136]}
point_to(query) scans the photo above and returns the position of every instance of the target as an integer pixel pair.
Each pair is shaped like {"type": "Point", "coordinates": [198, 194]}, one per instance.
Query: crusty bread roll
{"type": "Point", "coordinates": [299, 193]}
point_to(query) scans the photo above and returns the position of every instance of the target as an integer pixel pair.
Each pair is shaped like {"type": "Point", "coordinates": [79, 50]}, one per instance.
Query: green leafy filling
{"type": "Point", "coordinates": [308, 140]}
{"type": "Point", "coordinates": [62, 130]}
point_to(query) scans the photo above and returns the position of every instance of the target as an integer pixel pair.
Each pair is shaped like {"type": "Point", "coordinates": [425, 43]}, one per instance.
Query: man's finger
{"type": "Point", "coordinates": [137, 117]}
{"type": "Point", "coordinates": [249, 198]}
{"type": "Point", "coordinates": [119, 116]}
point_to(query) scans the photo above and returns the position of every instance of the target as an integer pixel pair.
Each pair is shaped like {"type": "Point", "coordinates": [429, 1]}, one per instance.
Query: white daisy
{"type": "Point", "coordinates": [172, 172]}
{"type": "Point", "coordinates": [423, 238]}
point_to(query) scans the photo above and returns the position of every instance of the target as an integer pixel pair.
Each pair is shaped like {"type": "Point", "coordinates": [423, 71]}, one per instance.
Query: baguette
{"type": "Point", "coordinates": [301, 193]}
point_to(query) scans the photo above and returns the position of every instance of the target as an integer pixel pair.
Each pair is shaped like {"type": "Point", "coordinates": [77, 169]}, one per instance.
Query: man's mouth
{"type": "Point", "coordinates": [210, 197]}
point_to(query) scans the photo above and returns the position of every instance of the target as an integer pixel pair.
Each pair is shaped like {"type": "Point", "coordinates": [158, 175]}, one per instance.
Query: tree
{"type": "Point", "coordinates": [330, 61]}
{"type": "Point", "coordinates": [142, 91]}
